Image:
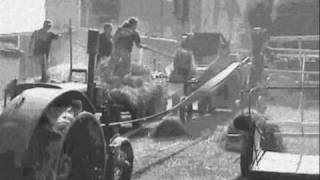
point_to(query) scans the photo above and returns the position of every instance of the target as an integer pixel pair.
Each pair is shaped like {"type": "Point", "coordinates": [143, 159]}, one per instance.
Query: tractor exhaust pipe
{"type": "Point", "coordinates": [93, 36]}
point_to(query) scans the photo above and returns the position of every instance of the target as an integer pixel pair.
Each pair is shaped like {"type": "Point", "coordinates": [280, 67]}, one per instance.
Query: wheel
{"type": "Point", "coordinates": [122, 159]}
{"type": "Point", "coordinates": [43, 153]}
{"type": "Point", "coordinates": [83, 154]}
{"type": "Point", "coordinates": [185, 113]}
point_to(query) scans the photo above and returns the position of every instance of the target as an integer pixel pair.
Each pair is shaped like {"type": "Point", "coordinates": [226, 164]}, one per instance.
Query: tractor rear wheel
{"type": "Point", "coordinates": [83, 153]}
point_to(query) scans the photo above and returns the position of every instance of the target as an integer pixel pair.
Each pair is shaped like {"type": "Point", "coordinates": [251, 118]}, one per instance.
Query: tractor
{"type": "Point", "coordinates": [35, 144]}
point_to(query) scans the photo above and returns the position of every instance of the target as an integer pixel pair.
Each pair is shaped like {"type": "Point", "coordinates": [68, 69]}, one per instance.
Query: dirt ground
{"type": "Point", "coordinates": [205, 160]}
{"type": "Point", "coordinates": [208, 160]}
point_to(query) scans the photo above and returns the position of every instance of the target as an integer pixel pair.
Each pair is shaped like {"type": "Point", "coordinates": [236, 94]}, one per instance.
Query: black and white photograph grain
{"type": "Point", "coordinates": [159, 90]}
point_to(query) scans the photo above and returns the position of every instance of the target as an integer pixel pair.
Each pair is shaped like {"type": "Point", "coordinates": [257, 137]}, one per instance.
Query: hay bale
{"type": "Point", "coordinates": [153, 97]}
{"type": "Point", "coordinates": [127, 97]}
{"type": "Point", "coordinates": [133, 81]}
{"type": "Point", "coordinates": [113, 82]}
{"type": "Point", "coordinates": [140, 70]}
{"type": "Point", "coordinates": [143, 101]}
{"type": "Point", "coordinates": [138, 75]}
{"type": "Point", "coordinates": [169, 127]}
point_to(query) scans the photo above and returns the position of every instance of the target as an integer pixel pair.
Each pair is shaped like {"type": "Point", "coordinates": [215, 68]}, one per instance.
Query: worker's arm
{"type": "Point", "coordinates": [55, 36]}
{"type": "Point", "coordinates": [137, 41]}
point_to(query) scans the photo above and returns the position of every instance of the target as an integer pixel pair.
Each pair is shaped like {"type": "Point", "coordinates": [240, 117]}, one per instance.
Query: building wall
{"type": "Point", "coordinates": [156, 17]}
{"type": "Point", "coordinates": [61, 11]}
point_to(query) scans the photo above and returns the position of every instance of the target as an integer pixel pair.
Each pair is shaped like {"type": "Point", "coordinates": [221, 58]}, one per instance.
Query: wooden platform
{"type": "Point", "coordinates": [287, 163]}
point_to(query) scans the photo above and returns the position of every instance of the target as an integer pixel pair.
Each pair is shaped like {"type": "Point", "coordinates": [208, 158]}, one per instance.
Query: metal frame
{"type": "Point", "coordinates": [253, 154]}
{"type": "Point", "coordinates": [302, 55]}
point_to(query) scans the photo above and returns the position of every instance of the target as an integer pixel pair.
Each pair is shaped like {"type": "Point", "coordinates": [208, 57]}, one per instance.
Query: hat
{"type": "Point", "coordinates": [133, 20]}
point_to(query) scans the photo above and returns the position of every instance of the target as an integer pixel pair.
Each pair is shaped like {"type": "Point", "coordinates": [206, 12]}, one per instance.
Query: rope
{"type": "Point", "coordinates": [159, 52]}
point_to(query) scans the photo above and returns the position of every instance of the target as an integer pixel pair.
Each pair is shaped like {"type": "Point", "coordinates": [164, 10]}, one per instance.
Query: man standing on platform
{"type": "Point", "coordinates": [40, 47]}
{"type": "Point", "coordinates": [123, 40]}
{"type": "Point", "coordinates": [105, 43]}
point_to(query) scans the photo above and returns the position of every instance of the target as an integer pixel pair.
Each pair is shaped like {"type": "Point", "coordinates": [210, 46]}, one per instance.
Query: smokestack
{"type": "Point", "coordinates": [93, 36]}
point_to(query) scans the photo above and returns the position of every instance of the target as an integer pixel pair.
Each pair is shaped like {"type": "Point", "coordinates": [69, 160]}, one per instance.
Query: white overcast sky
{"type": "Point", "coordinates": [21, 15]}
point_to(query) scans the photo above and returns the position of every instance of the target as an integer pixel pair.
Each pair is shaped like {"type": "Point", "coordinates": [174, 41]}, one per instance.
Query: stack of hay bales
{"type": "Point", "coordinates": [139, 101]}
{"type": "Point", "coordinates": [105, 72]}
{"type": "Point", "coordinates": [169, 127]}
{"type": "Point", "coordinates": [133, 81]}
{"type": "Point", "coordinates": [136, 94]}
{"type": "Point", "coordinates": [139, 70]}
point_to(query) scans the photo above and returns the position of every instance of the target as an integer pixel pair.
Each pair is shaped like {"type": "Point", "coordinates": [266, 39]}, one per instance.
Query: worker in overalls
{"type": "Point", "coordinates": [183, 71]}
{"type": "Point", "coordinates": [123, 41]}
{"type": "Point", "coordinates": [40, 47]}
